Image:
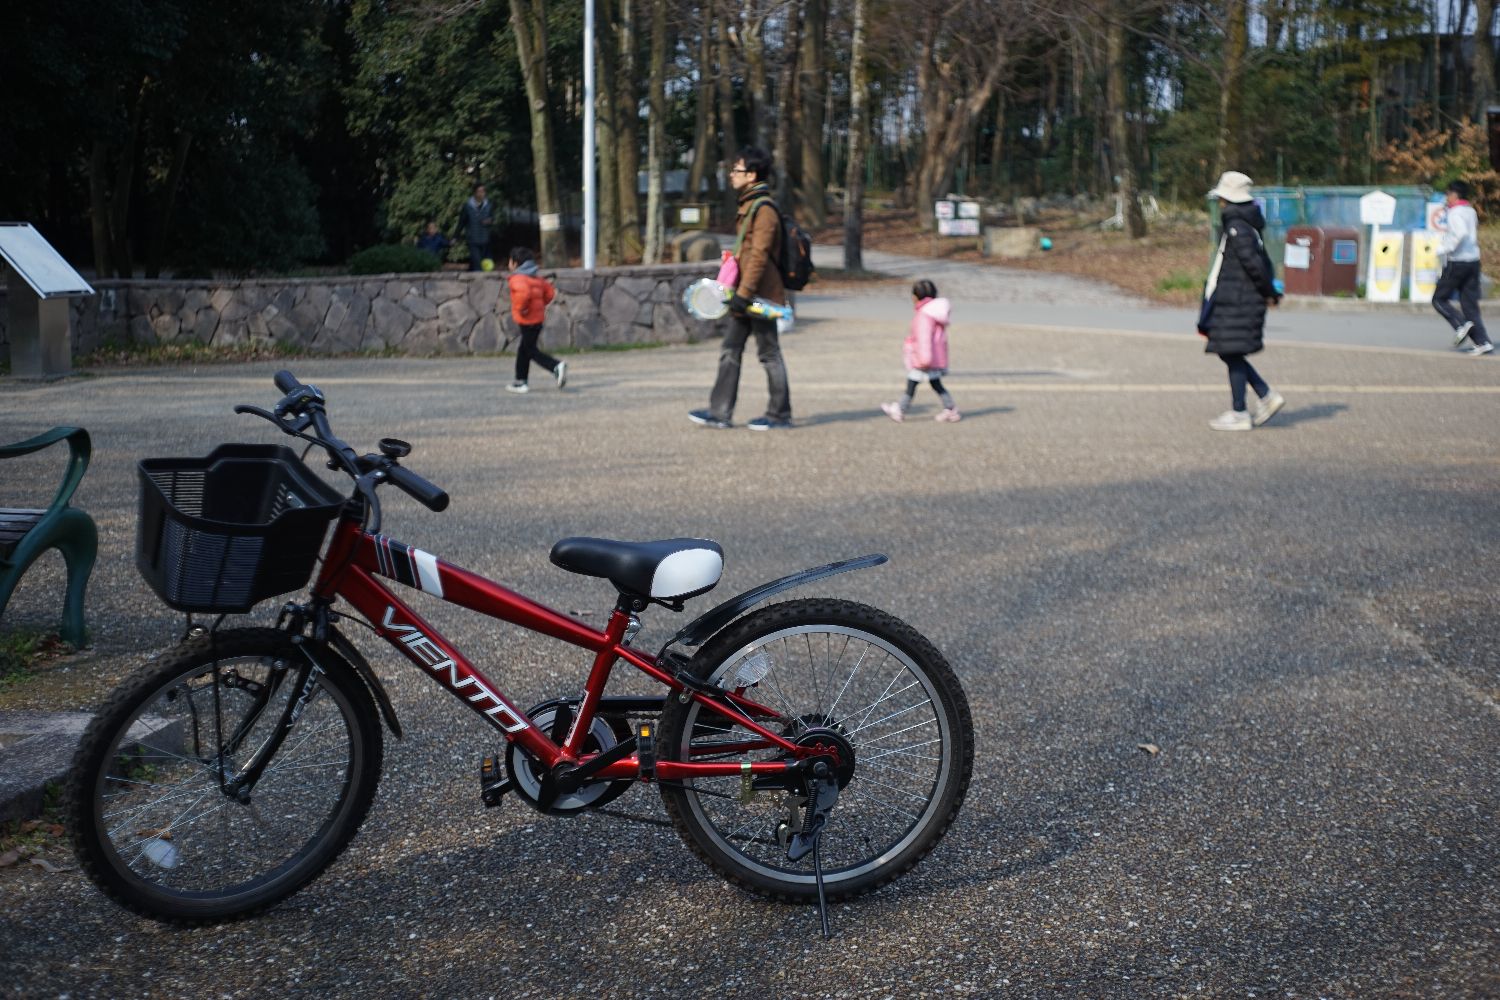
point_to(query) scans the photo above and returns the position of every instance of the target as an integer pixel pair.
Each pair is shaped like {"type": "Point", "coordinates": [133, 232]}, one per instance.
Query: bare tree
{"type": "Point", "coordinates": [1484, 58]}
{"type": "Point", "coordinates": [1227, 151]}
{"type": "Point", "coordinates": [782, 153]}
{"type": "Point", "coordinates": [813, 90]}
{"type": "Point", "coordinates": [656, 132]}
{"type": "Point", "coordinates": [627, 133]}
{"type": "Point", "coordinates": [703, 121]}
{"type": "Point", "coordinates": [1119, 135]}
{"type": "Point", "coordinates": [606, 128]}
{"type": "Point", "coordinates": [528, 20]}
{"type": "Point", "coordinates": [854, 171]}
{"type": "Point", "coordinates": [724, 81]}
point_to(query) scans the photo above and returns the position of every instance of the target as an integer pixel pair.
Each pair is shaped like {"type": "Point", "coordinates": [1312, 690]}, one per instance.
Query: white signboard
{"type": "Point", "coordinates": [1377, 209]}
{"type": "Point", "coordinates": [968, 210]}
{"type": "Point", "coordinates": [958, 227]}
{"type": "Point", "coordinates": [1298, 255]}
{"type": "Point", "coordinates": [549, 222]}
{"type": "Point", "coordinates": [943, 209]}
{"type": "Point", "coordinates": [38, 264]}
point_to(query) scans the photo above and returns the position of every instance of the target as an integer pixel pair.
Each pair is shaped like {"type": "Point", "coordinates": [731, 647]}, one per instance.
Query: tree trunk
{"type": "Point", "coordinates": [1484, 58]}
{"type": "Point", "coordinates": [656, 136]}
{"type": "Point", "coordinates": [753, 45]}
{"type": "Point", "coordinates": [997, 142]}
{"type": "Point", "coordinates": [607, 144]}
{"type": "Point", "coordinates": [530, 28]}
{"type": "Point", "coordinates": [627, 133]}
{"type": "Point", "coordinates": [1119, 135]}
{"type": "Point", "coordinates": [703, 130]}
{"type": "Point", "coordinates": [724, 80]}
{"type": "Point", "coordinates": [1228, 150]}
{"type": "Point", "coordinates": [945, 139]}
{"type": "Point", "coordinates": [782, 157]}
{"type": "Point", "coordinates": [99, 209]}
{"type": "Point", "coordinates": [854, 170]}
{"type": "Point", "coordinates": [813, 89]}
{"type": "Point", "coordinates": [119, 206]}
{"type": "Point", "coordinates": [159, 245]}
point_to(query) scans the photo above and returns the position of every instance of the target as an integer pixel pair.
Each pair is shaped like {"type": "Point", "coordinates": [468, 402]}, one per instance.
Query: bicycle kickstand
{"type": "Point", "coordinates": [825, 792]}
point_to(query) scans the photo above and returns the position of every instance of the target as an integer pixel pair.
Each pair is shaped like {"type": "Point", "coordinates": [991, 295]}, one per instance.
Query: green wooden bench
{"type": "Point", "coordinates": [26, 533]}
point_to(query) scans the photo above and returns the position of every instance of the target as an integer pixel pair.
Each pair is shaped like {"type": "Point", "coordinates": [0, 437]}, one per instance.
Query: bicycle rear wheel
{"type": "Point", "coordinates": [838, 667]}
{"type": "Point", "coordinates": [151, 820]}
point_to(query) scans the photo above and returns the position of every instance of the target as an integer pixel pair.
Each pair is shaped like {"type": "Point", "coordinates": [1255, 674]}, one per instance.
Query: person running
{"type": "Point", "coordinates": [1239, 288]}
{"type": "Point", "coordinates": [925, 353]}
{"type": "Point", "coordinates": [529, 295]}
{"type": "Point", "coordinates": [1460, 275]}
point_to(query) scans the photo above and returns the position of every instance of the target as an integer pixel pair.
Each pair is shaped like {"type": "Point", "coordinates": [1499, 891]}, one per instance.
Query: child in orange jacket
{"type": "Point", "coordinates": [529, 295]}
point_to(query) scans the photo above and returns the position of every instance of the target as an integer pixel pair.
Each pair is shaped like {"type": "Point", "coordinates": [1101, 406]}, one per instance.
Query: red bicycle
{"type": "Point", "coordinates": [810, 750]}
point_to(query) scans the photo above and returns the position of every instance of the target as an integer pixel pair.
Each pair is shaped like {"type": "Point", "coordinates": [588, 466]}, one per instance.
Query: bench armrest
{"type": "Point", "coordinates": [79, 445]}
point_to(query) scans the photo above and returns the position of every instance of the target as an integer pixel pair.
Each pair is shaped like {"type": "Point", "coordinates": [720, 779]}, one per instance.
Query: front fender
{"type": "Point", "coordinates": [697, 631]}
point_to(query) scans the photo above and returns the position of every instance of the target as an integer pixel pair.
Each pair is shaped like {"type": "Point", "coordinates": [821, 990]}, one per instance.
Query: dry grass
{"type": "Point", "coordinates": [1167, 266]}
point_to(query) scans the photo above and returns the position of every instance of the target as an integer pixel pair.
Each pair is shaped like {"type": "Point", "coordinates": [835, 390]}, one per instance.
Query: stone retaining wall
{"type": "Point", "coordinates": [421, 314]}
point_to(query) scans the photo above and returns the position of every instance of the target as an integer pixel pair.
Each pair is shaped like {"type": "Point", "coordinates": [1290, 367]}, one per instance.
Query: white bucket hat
{"type": "Point", "coordinates": [1233, 187]}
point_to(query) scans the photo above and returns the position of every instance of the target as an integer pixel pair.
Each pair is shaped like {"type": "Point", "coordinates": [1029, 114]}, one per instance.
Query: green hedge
{"type": "Point", "coordinates": [392, 259]}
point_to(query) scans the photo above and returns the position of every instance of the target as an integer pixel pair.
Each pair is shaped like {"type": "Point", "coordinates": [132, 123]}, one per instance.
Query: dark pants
{"type": "Point", "coordinates": [478, 251]}
{"type": "Point", "coordinates": [1241, 372]}
{"type": "Point", "coordinates": [937, 387]}
{"type": "Point", "coordinates": [529, 351]}
{"type": "Point", "coordinates": [1460, 278]}
{"type": "Point", "coordinates": [767, 351]}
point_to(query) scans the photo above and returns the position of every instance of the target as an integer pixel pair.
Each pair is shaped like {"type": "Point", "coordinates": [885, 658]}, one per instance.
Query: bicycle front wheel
{"type": "Point", "coordinates": [832, 667]}
{"type": "Point", "coordinates": [155, 814]}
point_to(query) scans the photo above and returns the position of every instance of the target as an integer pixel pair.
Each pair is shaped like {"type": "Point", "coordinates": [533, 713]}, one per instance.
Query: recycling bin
{"type": "Point", "coordinates": [1321, 260]}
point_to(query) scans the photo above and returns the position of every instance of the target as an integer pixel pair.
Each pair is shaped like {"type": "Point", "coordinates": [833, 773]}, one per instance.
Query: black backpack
{"type": "Point", "coordinates": [796, 263]}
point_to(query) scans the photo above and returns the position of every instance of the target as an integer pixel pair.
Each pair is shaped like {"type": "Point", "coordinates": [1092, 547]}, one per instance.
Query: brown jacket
{"type": "Point", "coordinates": [760, 276]}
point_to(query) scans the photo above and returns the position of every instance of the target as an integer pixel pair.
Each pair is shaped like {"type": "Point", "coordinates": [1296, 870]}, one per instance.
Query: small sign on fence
{"type": "Point", "coordinates": [956, 217]}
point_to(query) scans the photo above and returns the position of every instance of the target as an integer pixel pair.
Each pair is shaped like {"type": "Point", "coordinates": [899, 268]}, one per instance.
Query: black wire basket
{"type": "Point", "coordinates": [222, 533]}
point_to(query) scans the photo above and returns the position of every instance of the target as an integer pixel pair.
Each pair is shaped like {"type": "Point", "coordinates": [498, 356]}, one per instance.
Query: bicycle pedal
{"type": "Point", "coordinates": [493, 781]}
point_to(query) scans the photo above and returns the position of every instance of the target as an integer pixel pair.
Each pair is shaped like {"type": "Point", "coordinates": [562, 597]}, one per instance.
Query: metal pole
{"type": "Point", "coordinates": [590, 192]}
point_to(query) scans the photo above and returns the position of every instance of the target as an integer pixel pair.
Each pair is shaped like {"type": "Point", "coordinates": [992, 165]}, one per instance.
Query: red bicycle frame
{"type": "Point", "coordinates": [355, 558]}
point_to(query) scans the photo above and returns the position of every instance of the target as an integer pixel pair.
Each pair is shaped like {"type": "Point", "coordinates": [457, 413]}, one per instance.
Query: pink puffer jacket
{"type": "Point", "coordinates": [926, 346]}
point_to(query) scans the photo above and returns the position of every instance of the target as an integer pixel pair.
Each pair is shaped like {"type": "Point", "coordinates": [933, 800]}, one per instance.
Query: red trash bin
{"type": "Point", "coordinates": [1321, 260]}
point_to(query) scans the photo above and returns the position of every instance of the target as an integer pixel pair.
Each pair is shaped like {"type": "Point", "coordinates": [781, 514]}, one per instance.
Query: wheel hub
{"type": "Point", "coordinates": [834, 743]}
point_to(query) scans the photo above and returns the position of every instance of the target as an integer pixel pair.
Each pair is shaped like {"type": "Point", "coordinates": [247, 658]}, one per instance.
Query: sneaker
{"type": "Point", "coordinates": [1268, 407]}
{"type": "Point", "coordinates": [1479, 350]}
{"type": "Point", "coordinates": [518, 387]}
{"type": "Point", "coordinates": [948, 416]}
{"type": "Point", "coordinates": [1232, 420]}
{"type": "Point", "coordinates": [704, 418]}
{"type": "Point", "coordinates": [768, 424]}
{"type": "Point", "coordinates": [561, 374]}
{"type": "Point", "coordinates": [1462, 333]}
{"type": "Point", "coordinates": [894, 411]}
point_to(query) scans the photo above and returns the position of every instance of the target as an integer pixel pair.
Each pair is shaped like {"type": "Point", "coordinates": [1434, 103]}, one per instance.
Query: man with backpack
{"type": "Point", "coordinates": [758, 251]}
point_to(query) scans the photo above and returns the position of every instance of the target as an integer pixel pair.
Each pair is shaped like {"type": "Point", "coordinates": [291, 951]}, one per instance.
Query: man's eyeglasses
{"type": "Point", "coordinates": [739, 170]}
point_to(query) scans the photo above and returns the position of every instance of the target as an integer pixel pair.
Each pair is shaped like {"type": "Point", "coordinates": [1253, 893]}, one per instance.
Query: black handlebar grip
{"type": "Point", "coordinates": [286, 382]}
{"type": "Point", "coordinates": [417, 488]}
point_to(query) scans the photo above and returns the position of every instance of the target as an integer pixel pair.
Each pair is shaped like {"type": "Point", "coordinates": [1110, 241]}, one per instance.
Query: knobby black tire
{"type": "Point", "coordinates": [910, 706]}
{"type": "Point", "coordinates": [144, 759]}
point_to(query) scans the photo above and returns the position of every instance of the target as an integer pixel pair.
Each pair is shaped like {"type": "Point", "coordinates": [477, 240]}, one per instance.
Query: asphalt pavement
{"type": "Point", "coordinates": [1296, 624]}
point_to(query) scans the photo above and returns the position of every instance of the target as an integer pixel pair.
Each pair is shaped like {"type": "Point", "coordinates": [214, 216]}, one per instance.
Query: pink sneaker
{"type": "Point", "coordinates": [949, 416]}
{"type": "Point", "coordinates": [893, 411]}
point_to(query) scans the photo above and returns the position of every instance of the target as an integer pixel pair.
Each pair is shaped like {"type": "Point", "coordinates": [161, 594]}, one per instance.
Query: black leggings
{"type": "Point", "coordinates": [937, 387]}
{"type": "Point", "coordinates": [528, 351]}
{"type": "Point", "coordinates": [1241, 372]}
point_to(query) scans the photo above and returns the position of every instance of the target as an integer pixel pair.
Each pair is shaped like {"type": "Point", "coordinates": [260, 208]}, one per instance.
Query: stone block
{"type": "Point", "coordinates": [1012, 241]}
{"type": "Point", "coordinates": [424, 337]}
{"type": "Point", "coordinates": [457, 316]}
{"type": "Point", "coordinates": [419, 306]}
{"type": "Point", "coordinates": [639, 289]}
{"type": "Point", "coordinates": [204, 324]}
{"type": "Point", "coordinates": [667, 326]}
{"type": "Point", "coordinates": [220, 298]}
{"type": "Point", "coordinates": [390, 322]}
{"type": "Point", "coordinates": [485, 295]}
{"type": "Point", "coordinates": [486, 337]}
{"type": "Point", "coordinates": [443, 290]}
{"type": "Point", "coordinates": [232, 332]}
{"type": "Point", "coordinates": [165, 327]}
{"type": "Point", "coordinates": [696, 246]}
{"type": "Point", "coordinates": [142, 331]}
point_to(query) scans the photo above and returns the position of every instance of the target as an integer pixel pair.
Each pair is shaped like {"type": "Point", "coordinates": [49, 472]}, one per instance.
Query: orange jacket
{"type": "Point", "coordinates": [529, 296]}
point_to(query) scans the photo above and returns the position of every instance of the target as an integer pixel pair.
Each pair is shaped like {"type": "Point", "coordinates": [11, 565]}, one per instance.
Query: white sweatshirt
{"type": "Point", "coordinates": [1459, 240]}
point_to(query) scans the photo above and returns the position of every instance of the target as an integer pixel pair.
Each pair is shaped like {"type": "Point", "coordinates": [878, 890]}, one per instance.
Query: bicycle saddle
{"type": "Point", "coordinates": [670, 570]}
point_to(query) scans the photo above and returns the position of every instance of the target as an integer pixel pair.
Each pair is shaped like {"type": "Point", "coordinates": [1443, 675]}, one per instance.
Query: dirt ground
{"type": "Point", "coordinates": [1168, 266]}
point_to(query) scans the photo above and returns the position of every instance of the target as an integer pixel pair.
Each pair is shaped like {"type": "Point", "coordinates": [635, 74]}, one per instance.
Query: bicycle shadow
{"type": "Point", "coordinates": [874, 413]}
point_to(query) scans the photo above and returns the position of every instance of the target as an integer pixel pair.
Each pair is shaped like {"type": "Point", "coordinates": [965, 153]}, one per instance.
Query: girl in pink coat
{"type": "Point", "coordinates": [925, 353]}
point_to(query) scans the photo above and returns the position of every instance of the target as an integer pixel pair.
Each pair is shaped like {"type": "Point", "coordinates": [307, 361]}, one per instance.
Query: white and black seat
{"type": "Point", "coordinates": [670, 571]}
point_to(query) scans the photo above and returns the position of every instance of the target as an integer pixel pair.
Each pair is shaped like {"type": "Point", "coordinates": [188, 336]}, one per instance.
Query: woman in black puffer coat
{"type": "Point", "coordinates": [1234, 303]}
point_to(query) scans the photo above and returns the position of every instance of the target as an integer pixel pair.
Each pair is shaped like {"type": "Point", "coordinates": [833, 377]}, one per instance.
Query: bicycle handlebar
{"type": "Point", "coordinates": [305, 403]}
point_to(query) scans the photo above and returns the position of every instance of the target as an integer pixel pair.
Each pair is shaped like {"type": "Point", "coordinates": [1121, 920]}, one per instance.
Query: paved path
{"type": "Point", "coordinates": [1300, 618]}
{"type": "Point", "coordinates": [1062, 302]}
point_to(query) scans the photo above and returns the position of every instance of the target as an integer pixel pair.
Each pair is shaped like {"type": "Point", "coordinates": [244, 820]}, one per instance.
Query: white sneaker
{"type": "Point", "coordinates": [894, 411]}
{"type": "Point", "coordinates": [518, 387]}
{"type": "Point", "coordinates": [1268, 407]}
{"type": "Point", "coordinates": [561, 374]}
{"type": "Point", "coordinates": [1479, 350]}
{"type": "Point", "coordinates": [1232, 420]}
{"type": "Point", "coordinates": [1462, 333]}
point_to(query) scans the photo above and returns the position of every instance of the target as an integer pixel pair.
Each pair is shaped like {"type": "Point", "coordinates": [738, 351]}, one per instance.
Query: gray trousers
{"type": "Point", "coordinates": [768, 352]}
